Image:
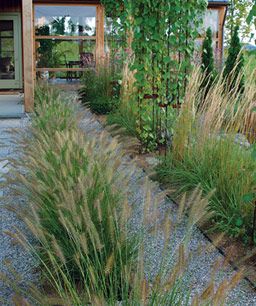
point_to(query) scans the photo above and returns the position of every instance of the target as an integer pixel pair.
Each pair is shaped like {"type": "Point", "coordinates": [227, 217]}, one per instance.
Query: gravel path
{"type": "Point", "coordinates": [198, 274]}
{"type": "Point", "coordinates": [14, 254]}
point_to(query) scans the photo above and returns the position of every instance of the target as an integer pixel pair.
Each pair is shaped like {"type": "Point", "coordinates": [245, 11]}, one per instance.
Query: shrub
{"type": "Point", "coordinates": [235, 61]}
{"type": "Point", "coordinates": [208, 59]}
{"type": "Point", "coordinates": [100, 91]}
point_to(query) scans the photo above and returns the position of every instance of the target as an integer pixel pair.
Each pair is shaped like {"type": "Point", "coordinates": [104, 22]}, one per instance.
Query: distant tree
{"type": "Point", "coordinates": [58, 25]}
{"type": "Point", "coordinates": [237, 13]}
{"type": "Point", "coordinates": [208, 59]}
{"type": "Point", "coordinates": [235, 60]}
{"type": "Point", "coordinates": [251, 19]}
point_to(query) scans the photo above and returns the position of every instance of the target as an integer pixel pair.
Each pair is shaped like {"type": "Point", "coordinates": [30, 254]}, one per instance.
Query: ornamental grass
{"type": "Point", "coordinates": [79, 216]}
{"type": "Point", "coordinates": [211, 147]}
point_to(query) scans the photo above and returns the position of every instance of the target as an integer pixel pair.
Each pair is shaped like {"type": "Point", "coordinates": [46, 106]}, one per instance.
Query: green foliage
{"type": "Point", "coordinates": [252, 15]}
{"type": "Point", "coordinates": [208, 59]}
{"type": "Point", "coordinates": [235, 61]}
{"type": "Point", "coordinates": [207, 54]}
{"type": "Point", "coordinates": [79, 215]}
{"type": "Point", "coordinates": [250, 62]}
{"type": "Point", "coordinates": [162, 46]}
{"type": "Point", "coordinates": [114, 9]}
{"type": "Point", "coordinates": [216, 165]}
{"type": "Point", "coordinates": [237, 15]}
{"type": "Point", "coordinates": [125, 117]}
{"type": "Point", "coordinates": [158, 34]}
{"type": "Point", "coordinates": [100, 91]}
{"type": "Point", "coordinates": [251, 196]}
{"type": "Point", "coordinates": [210, 148]}
{"type": "Point", "coordinates": [251, 18]}
{"type": "Point", "coordinates": [56, 116]}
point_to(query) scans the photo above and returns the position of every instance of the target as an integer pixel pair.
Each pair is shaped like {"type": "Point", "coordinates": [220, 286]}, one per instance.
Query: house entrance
{"type": "Point", "coordinates": [10, 52]}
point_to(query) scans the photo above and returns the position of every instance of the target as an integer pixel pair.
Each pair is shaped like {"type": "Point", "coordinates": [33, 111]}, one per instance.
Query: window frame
{"type": "Point", "coordinates": [98, 38]}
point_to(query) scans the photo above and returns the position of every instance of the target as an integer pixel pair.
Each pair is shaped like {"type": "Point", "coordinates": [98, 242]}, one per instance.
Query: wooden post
{"type": "Point", "coordinates": [28, 54]}
{"type": "Point", "coordinates": [222, 12]}
{"type": "Point", "coordinates": [99, 35]}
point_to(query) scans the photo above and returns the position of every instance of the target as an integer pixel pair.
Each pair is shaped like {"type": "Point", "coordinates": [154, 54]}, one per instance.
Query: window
{"type": "Point", "coordinates": [65, 20]}
{"type": "Point", "coordinates": [7, 58]}
{"type": "Point", "coordinates": [65, 39]}
{"type": "Point", "coordinates": [212, 20]}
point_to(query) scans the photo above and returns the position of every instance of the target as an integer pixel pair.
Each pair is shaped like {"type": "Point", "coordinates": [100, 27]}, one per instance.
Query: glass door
{"type": "Point", "coordinates": [10, 51]}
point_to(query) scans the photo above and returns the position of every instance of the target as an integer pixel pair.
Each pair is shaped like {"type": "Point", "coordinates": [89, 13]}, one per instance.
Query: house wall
{"type": "Point", "coordinates": [222, 10]}
{"type": "Point", "coordinates": [26, 8]}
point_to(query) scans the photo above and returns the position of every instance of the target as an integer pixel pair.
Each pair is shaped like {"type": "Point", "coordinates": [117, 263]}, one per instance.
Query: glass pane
{"type": "Point", "coordinates": [211, 20]}
{"type": "Point", "coordinates": [7, 56]}
{"type": "Point", "coordinates": [53, 53]}
{"type": "Point", "coordinates": [65, 20]}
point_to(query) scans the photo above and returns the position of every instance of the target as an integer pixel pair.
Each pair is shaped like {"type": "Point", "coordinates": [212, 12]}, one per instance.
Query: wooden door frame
{"type": "Point", "coordinates": [17, 82]}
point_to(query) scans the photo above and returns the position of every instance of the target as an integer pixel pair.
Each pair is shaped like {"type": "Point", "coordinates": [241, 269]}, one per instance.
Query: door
{"type": "Point", "coordinates": [10, 51]}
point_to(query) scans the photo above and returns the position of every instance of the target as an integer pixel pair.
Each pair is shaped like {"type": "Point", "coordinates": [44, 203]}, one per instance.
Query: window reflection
{"type": "Point", "coordinates": [7, 58]}
{"type": "Point", "coordinates": [65, 20]}
{"type": "Point", "coordinates": [65, 54]}
{"type": "Point", "coordinates": [211, 20]}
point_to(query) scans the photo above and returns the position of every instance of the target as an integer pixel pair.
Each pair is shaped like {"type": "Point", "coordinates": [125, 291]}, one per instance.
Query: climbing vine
{"type": "Point", "coordinates": [163, 34]}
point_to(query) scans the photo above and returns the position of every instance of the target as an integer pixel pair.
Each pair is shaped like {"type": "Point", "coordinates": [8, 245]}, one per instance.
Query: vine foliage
{"type": "Point", "coordinates": [163, 36]}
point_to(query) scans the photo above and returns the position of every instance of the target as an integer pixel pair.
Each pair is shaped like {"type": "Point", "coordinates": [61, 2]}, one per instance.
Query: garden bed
{"type": "Point", "coordinates": [239, 254]}
{"type": "Point", "coordinates": [164, 243]}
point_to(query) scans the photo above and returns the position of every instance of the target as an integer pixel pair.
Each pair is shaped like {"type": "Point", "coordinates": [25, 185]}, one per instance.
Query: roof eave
{"type": "Point", "coordinates": [218, 3]}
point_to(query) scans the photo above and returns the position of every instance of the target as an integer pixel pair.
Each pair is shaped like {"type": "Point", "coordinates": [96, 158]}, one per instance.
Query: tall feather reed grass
{"type": "Point", "coordinates": [100, 91]}
{"type": "Point", "coordinates": [210, 148]}
{"type": "Point", "coordinates": [79, 215]}
{"type": "Point", "coordinates": [126, 115]}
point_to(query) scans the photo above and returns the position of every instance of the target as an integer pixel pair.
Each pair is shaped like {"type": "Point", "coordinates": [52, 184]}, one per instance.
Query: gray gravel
{"type": "Point", "coordinates": [198, 274]}
{"type": "Point", "coordinates": [11, 253]}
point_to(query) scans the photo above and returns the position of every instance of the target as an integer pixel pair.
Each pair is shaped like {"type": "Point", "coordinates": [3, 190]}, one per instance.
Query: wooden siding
{"type": "Point", "coordinates": [10, 6]}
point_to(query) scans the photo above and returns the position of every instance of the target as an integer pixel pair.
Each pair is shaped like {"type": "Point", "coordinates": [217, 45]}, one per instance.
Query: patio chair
{"type": "Point", "coordinates": [87, 60]}
{"type": "Point", "coordinates": [6, 67]}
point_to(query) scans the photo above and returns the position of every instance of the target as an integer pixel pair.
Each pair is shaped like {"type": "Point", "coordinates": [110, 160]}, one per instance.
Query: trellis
{"type": "Point", "coordinates": [163, 33]}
